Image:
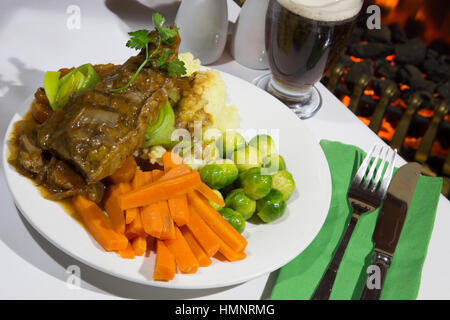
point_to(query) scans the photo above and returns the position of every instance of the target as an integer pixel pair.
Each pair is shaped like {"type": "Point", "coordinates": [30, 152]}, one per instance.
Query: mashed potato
{"type": "Point", "coordinates": [211, 92]}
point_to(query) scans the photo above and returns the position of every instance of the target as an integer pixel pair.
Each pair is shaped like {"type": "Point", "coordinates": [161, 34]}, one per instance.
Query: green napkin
{"type": "Point", "coordinates": [299, 278]}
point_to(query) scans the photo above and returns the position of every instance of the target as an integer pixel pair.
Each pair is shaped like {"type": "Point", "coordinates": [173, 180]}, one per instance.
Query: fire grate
{"type": "Point", "coordinates": [400, 88]}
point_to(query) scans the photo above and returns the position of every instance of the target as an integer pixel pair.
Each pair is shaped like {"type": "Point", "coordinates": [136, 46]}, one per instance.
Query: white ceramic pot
{"type": "Point", "coordinates": [203, 28]}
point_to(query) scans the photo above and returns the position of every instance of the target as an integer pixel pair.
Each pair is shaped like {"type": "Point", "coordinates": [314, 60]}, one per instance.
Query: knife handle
{"type": "Point", "coordinates": [325, 286]}
{"type": "Point", "coordinates": [372, 291]}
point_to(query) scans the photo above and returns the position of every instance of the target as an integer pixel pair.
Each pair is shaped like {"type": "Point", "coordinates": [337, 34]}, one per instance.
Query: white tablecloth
{"type": "Point", "coordinates": [34, 37]}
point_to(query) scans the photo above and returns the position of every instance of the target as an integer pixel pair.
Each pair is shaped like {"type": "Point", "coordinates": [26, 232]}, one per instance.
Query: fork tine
{"type": "Point", "coordinates": [379, 171]}
{"type": "Point", "coordinates": [388, 176]}
{"type": "Point", "coordinates": [372, 169]}
{"type": "Point", "coordinates": [362, 169]}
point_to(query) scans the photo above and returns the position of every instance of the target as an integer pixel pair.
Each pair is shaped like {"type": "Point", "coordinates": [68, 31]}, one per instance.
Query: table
{"type": "Point", "coordinates": [35, 38]}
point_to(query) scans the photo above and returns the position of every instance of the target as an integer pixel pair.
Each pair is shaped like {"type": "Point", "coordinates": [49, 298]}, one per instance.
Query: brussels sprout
{"type": "Point", "coordinates": [219, 173]}
{"type": "Point", "coordinates": [271, 207]}
{"type": "Point", "coordinates": [284, 182]}
{"type": "Point", "coordinates": [239, 201]}
{"type": "Point", "coordinates": [273, 163]}
{"type": "Point", "coordinates": [235, 185]}
{"type": "Point", "coordinates": [255, 184]}
{"type": "Point", "coordinates": [229, 142]}
{"type": "Point", "coordinates": [234, 218]}
{"type": "Point", "coordinates": [264, 143]}
{"type": "Point", "coordinates": [213, 204]}
{"type": "Point", "coordinates": [246, 158]}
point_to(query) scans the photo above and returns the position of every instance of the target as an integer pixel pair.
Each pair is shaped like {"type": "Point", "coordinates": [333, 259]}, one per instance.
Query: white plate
{"type": "Point", "coordinates": [270, 246]}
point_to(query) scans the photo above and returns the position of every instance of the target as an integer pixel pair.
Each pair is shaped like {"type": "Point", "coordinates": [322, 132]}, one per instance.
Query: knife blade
{"type": "Point", "coordinates": [389, 226]}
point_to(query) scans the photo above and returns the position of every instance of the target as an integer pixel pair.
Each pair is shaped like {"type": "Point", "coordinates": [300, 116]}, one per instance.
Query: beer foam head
{"type": "Point", "coordinates": [324, 10]}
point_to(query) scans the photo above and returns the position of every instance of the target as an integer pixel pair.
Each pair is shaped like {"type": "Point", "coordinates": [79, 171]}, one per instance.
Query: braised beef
{"type": "Point", "coordinates": [98, 129]}
{"type": "Point", "coordinates": [69, 151]}
{"type": "Point", "coordinates": [93, 192]}
{"type": "Point", "coordinates": [29, 155]}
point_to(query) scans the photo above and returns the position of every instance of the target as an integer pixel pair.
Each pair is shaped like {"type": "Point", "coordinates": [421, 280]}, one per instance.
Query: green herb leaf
{"type": "Point", "coordinates": [166, 34]}
{"type": "Point", "coordinates": [176, 68]}
{"type": "Point", "coordinates": [158, 19]}
{"type": "Point", "coordinates": [161, 61]}
{"type": "Point", "coordinates": [139, 39]}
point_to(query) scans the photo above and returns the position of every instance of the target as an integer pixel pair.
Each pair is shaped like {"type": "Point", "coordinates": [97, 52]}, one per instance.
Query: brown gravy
{"type": "Point", "coordinates": [65, 204]}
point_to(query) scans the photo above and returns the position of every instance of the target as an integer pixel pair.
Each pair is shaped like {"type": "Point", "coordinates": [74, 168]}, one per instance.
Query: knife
{"type": "Point", "coordinates": [389, 226]}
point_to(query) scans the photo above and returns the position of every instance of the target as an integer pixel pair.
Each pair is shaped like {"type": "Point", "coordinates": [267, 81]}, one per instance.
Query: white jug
{"type": "Point", "coordinates": [203, 28]}
{"type": "Point", "coordinates": [248, 43]}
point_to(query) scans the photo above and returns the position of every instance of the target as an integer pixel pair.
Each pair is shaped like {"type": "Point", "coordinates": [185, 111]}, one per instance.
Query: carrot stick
{"type": "Point", "coordinates": [141, 178]}
{"type": "Point", "coordinates": [168, 230]}
{"type": "Point", "coordinates": [203, 259]}
{"type": "Point", "coordinates": [177, 171]}
{"type": "Point", "coordinates": [156, 173]}
{"type": "Point", "coordinates": [159, 190]}
{"type": "Point", "coordinates": [216, 222]}
{"type": "Point", "coordinates": [207, 239]}
{"type": "Point", "coordinates": [209, 194]}
{"type": "Point", "coordinates": [139, 245]}
{"type": "Point", "coordinates": [178, 206]}
{"type": "Point", "coordinates": [98, 224]}
{"type": "Point", "coordinates": [128, 252]}
{"type": "Point", "coordinates": [148, 177]}
{"type": "Point", "coordinates": [152, 218]}
{"type": "Point", "coordinates": [171, 160]}
{"type": "Point", "coordinates": [130, 215]}
{"type": "Point", "coordinates": [184, 258]}
{"type": "Point", "coordinates": [179, 209]}
{"type": "Point", "coordinates": [165, 266]}
{"type": "Point", "coordinates": [112, 207]}
{"type": "Point", "coordinates": [124, 173]}
{"type": "Point", "coordinates": [135, 228]}
{"type": "Point", "coordinates": [230, 254]}
{"type": "Point", "coordinates": [136, 182]}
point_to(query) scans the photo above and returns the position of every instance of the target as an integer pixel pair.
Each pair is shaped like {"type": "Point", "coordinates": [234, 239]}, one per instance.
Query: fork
{"type": "Point", "coordinates": [364, 197]}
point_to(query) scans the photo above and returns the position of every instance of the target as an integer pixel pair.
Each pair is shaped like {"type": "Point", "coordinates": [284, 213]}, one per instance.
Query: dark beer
{"type": "Point", "coordinates": [302, 44]}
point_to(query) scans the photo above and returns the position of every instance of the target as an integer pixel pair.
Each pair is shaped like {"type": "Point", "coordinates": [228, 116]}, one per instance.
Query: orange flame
{"type": "Point", "coordinates": [427, 113]}
{"type": "Point", "coordinates": [399, 102]}
{"type": "Point", "coordinates": [346, 100]}
{"type": "Point", "coordinates": [388, 4]}
{"type": "Point", "coordinates": [355, 59]}
{"type": "Point", "coordinates": [404, 87]}
{"type": "Point", "coordinates": [386, 130]}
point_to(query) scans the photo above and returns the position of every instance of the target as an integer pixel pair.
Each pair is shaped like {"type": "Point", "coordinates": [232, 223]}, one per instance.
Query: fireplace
{"type": "Point", "coordinates": [396, 79]}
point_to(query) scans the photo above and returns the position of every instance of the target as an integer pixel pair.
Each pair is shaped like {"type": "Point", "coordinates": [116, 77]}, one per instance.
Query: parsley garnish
{"type": "Point", "coordinates": [140, 40]}
{"type": "Point", "coordinates": [166, 34]}
{"type": "Point", "coordinates": [174, 68]}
